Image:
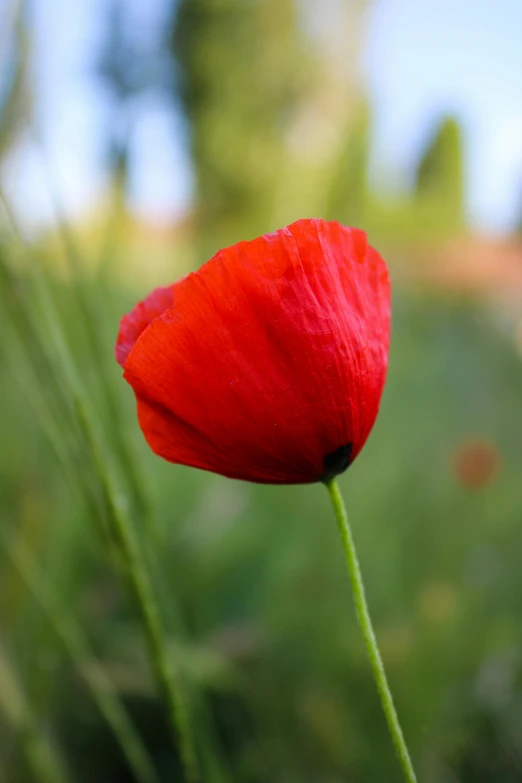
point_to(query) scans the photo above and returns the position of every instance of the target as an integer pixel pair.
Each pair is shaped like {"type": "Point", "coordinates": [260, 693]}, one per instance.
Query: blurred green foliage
{"type": "Point", "coordinates": [440, 173]}
{"type": "Point", "coordinates": [350, 185]}
{"type": "Point", "coordinates": [243, 68]}
{"type": "Point", "coordinates": [251, 580]}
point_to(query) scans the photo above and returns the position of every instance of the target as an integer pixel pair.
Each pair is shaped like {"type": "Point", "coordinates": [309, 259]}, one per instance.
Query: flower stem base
{"type": "Point", "coordinates": [365, 624]}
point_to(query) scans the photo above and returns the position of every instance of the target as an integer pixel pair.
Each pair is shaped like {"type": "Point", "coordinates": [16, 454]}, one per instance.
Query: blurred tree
{"type": "Point", "coordinates": [350, 186]}
{"type": "Point", "coordinates": [116, 72]}
{"type": "Point", "coordinates": [132, 61]}
{"type": "Point", "coordinates": [243, 68]}
{"type": "Point", "coordinates": [326, 161]}
{"type": "Point", "coordinates": [440, 173]}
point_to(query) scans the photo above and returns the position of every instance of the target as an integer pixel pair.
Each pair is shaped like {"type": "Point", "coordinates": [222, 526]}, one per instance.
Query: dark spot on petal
{"type": "Point", "coordinates": [337, 462]}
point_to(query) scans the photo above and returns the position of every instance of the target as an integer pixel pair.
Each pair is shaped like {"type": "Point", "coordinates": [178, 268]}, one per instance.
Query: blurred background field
{"type": "Point", "coordinates": [136, 139]}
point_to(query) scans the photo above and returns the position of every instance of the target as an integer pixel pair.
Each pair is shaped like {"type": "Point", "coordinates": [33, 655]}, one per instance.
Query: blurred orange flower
{"type": "Point", "coordinates": [475, 463]}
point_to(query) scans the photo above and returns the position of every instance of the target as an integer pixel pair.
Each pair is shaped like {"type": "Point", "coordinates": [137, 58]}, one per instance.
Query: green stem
{"type": "Point", "coordinates": [365, 624]}
{"type": "Point", "coordinates": [163, 666]}
{"type": "Point", "coordinates": [140, 584]}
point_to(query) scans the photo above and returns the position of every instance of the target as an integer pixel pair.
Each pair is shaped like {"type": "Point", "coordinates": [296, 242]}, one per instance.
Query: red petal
{"type": "Point", "coordinates": [273, 357]}
{"type": "Point", "coordinates": [134, 323]}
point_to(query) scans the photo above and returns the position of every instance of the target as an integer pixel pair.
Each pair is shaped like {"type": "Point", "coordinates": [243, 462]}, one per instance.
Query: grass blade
{"type": "Point", "coordinates": [77, 646]}
{"type": "Point", "coordinates": [131, 558]}
{"type": "Point", "coordinates": [40, 755]}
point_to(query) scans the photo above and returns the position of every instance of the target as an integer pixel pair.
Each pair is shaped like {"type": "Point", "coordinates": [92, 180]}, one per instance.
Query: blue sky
{"type": "Point", "coordinates": [426, 57]}
{"type": "Point", "coordinates": [422, 58]}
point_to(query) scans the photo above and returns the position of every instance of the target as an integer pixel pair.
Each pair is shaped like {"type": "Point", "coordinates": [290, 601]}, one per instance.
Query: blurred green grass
{"type": "Point", "coordinates": [257, 573]}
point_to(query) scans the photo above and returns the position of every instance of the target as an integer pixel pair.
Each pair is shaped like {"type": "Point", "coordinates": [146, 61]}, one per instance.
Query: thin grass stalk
{"type": "Point", "coordinates": [49, 424]}
{"type": "Point", "coordinates": [133, 562]}
{"type": "Point", "coordinates": [78, 648]}
{"type": "Point", "coordinates": [37, 376]}
{"type": "Point", "coordinates": [41, 757]}
{"type": "Point", "coordinates": [131, 557]}
{"type": "Point", "coordinates": [91, 317]}
{"type": "Point", "coordinates": [16, 305]}
{"type": "Point", "coordinates": [68, 631]}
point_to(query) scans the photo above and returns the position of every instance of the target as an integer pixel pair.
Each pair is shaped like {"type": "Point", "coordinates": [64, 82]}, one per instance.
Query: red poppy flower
{"type": "Point", "coordinates": [268, 364]}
